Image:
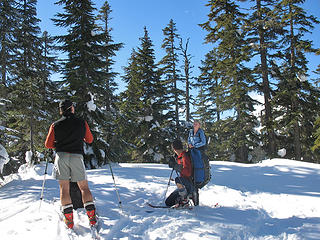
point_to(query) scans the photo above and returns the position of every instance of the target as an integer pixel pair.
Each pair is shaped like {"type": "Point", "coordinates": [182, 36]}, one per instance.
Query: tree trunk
{"type": "Point", "coordinates": [297, 142]}
{"type": "Point", "coordinates": [242, 154]}
{"type": "Point", "coordinates": [271, 146]}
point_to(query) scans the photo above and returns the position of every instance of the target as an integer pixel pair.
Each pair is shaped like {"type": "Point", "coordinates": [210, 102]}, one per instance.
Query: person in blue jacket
{"type": "Point", "coordinates": [196, 138]}
{"type": "Point", "coordinates": [196, 143]}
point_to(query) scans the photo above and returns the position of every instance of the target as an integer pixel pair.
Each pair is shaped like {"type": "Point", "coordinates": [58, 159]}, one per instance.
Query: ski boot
{"type": "Point", "coordinates": [91, 212]}
{"type": "Point", "coordinates": [68, 215]}
{"type": "Point", "coordinates": [195, 197]}
{"type": "Point", "coordinates": [182, 203]}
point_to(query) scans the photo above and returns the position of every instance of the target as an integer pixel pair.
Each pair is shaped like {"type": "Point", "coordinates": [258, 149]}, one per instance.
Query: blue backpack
{"type": "Point", "coordinates": [201, 167]}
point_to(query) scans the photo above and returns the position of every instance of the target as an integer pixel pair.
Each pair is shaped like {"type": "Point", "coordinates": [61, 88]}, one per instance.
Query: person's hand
{"type": "Point", "coordinates": [190, 146]}
{"type": "Point", "coordinates": [172, 162]}
{"type": "Point", "coordinates": [178, 167]}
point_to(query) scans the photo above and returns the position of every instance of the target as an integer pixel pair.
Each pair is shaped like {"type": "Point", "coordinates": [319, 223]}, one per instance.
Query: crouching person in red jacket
{"type": "Point", "coordinates": [182, 165]}
{"type": "Point", "coordinates": [66, 136]}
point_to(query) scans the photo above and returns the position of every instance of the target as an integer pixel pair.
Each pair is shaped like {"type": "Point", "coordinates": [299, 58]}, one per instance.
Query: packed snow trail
{"type": "Point", "coordinates": [275, 199]}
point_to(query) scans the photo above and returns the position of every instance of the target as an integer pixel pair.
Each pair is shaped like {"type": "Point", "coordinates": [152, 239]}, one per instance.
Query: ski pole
{"type": "Point", "coordinates": [164, 196]}
{"type": "Point", "coordinates": [115, 185]}
{"type": "Point", "coordinates": [44, 180]}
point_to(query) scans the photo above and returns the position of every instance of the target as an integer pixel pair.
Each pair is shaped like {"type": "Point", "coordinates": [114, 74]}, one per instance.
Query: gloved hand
{"type": "Point", "coordinates": [172, 162]}
{"type": "Point", "coordinates": [178, 167]}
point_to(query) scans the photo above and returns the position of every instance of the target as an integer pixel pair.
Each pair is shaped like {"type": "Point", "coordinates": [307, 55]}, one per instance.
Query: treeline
{"type": "Point", "coordinates": [262, 50]}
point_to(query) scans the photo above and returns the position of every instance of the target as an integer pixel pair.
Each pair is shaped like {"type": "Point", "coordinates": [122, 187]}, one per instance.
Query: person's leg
{"type": "Point", "coordinates": [88, 201]}
{"type": "Point", "coordinates": [85, 191]}
{"type": "Point", "coordinates": [78, 174]}
{"type": "Point", "coordinates": [62, 174]}
{"type": "Point", "coordinates": [66, 203]}
{"type": "Point", "coordinates": [181, 187]}
{"type": "Point", "coordinates": [76, 196]}
{"type": "Point", "coordinates": [65, 192]}
{"type": "Point", "coordinates": [172, 199]}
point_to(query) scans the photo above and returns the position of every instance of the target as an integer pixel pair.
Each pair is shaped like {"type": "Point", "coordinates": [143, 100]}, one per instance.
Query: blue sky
{"type": "Point", "coordinates": [130, 16]}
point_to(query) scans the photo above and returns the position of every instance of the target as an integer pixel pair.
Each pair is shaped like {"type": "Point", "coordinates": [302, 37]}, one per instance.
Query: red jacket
{"type": "Point", "coordinates": [184, 159]}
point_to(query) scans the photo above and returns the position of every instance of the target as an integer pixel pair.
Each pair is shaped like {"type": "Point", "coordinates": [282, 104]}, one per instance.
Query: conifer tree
{"type": "Point", "coordinates": [210, 82]}
{"type": "Point", "coordinates": [84, 69]}
{"type": "Point", "coordinates": [109, 52]}
{"type": "Point", "coordinates": [8, 46]}
{"type": "Point", "coordinates": [130, 103]}
{"type": "Point", "coordinates": [143, 104]}
{"type": "Point", "coordinates": [296, 99]}
{"type": "Point", "coordinates": [48, 65]}
{"type": "Point", "coordinates": [8, 28]}
{"type": "Point", "coordinates": [171, 71]}
{"type": "Point", "coordinates": [107, 100]}
{"type": "Point", "coordinates": [224, 28]}
{"type": "Point", "coordinates": [264, 27]}
{"type": "Point", "coordinates": [25, 113]}
{"type": "Point", "coordinates": [316, 134]}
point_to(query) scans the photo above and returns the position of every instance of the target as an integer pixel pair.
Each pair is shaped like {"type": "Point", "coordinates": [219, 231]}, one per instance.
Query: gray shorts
{"type": "Point", "coordinates": [69, 166]}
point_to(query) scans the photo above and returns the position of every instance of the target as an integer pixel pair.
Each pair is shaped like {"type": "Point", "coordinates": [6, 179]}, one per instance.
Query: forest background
{"type": "Point", "coordinates": [249, 70]}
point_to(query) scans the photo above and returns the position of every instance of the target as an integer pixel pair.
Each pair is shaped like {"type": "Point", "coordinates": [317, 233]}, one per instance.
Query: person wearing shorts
{"type": "Point", "coordinates": [67, 136]}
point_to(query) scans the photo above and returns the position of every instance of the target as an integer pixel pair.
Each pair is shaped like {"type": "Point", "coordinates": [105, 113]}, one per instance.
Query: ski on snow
{"type": "Point", "coordinates": [157, 206]}
{"type": "Point", "coordinates": [72, 234]}
{"type": "Point", "coordinates": [94, 230]}
{"type": "Point", "coordinates": [172, 207]}
{"type": "Point", "coordinates": [188, 207]}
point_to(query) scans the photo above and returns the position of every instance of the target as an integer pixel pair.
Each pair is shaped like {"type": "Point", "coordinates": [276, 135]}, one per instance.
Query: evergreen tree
{"type": "Point", "coordinates": [109, 52]}
{"type": "Point", "coordinates": [212, 95]}
{"type": "Point", "coordinates": [316, 134]}
{"type": "Point", "coordinates": [210, 82]}
{"type": "Point", "coordinates": [296, 99]}
{"type": "Point", "coordinates": [264, 27]}
{"type": "Point", "coordinates": [171, 71]}
{"type": "Point", "coordinates": [107, 100]}
{"type": "Point", "coordinates": [224, 29]}
{"type": "Point", "coordinates": [8, 28]}
{"type": "Point", "coordinates": [8, 46]}
{"type": "Point", "coordinates": [84, 69]}
{"type": "Point", "coordinates": [48, 89]}
{"type": "Point", "coordinates": [130, 101]}
{"type": "Point", "coordinates": [48, 66]}
{"type": "Point", "coordinates": [143, 105]}
{"type": "Point", "coordinates": [25, 112]}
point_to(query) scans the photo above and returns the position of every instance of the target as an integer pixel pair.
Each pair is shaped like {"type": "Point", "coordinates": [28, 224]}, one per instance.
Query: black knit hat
{"type": "Point", "coordinates": [65, 104]}
{"type": "Point", "coordinates": [177, 145]}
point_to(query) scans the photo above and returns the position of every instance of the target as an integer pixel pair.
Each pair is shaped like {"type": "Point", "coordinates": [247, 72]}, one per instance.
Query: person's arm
{"type": "Point", "coordinates": [186, 170]}
{"type": "Point", "coordinates": [189, 139]}
{"type": "Point", "coordinates": [88, 138]}
{"type": "Point", "coordinates": [202, 139]}
{"type": "Point", "coordinates": [173, 164]}
{"type": "Point", "coordinates": [49, 143]}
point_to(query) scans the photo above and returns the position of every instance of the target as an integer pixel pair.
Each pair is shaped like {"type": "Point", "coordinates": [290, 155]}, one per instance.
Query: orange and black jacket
{"type": "Point", "coordinates": [185, 161]}
{"type": "Point", "coordinates": [68, 133]}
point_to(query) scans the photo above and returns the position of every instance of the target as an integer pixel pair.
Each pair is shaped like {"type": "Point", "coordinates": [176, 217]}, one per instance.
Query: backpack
{"type": "Point", "coordinates": [201, 169]}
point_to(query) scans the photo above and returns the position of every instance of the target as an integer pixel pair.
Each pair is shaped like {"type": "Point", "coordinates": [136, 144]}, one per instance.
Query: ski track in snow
{"type": "Point", "coordinates": [275, 199]}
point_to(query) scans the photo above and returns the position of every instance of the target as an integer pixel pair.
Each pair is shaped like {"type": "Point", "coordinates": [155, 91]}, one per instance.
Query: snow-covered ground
{"type": "Point", "coordinates": [275, 199]}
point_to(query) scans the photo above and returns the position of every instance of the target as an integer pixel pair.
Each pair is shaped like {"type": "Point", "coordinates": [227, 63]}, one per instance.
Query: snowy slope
{"type": "Point", "coordinates": [275, 199]}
